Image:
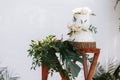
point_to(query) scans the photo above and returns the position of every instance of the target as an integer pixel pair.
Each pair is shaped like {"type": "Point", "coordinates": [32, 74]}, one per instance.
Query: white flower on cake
{"type": "Point", "coordinates": [76, 29]}
{"type": "Point", "coordinates": [82, 11]}
{"type": "Point", "coordinates": [73, 29]}
{"type": "Point", "coordinates": [81, 30]}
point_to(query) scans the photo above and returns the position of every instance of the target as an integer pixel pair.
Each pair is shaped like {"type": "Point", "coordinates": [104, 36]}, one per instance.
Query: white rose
{"type": "Point", "coordinates": [77, 28]}
{"type": "Point", "coordinates": [85, 11]}
{"type": "Point", "coordinates": [77, 10]}
{"type": "Point", "coordinates": [74, 28]}
{"type": "Point", "coordinates": [82, 11]}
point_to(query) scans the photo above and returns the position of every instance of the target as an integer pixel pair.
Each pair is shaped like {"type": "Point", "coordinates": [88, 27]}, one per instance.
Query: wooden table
{"type": "Point", "coordinates": [96, 51]}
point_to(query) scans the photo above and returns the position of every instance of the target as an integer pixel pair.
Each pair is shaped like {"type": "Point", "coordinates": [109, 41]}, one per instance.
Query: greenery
{"type": "Point", "coordinates": [119, 25]}
{"type": "Point", "coordinates": [75, 29]}
{"type": "Point", "coordinates": [93, 29]}
{"type": "Point", "coordinates": [117, 1]}
{"type": "Point", "coordinates": [46, 52]}
{"type": "Point", "coordinates": [5, 74]}
{"type": "Point", "coordinates": [112, 72]}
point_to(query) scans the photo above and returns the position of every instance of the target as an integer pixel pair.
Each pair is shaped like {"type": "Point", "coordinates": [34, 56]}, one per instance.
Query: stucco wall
{"type": "Point", "coordinates": [24, 20]}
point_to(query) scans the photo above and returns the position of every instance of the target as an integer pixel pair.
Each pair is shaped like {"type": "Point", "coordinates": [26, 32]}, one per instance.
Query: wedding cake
{"type": "Point", "coordinates": [80, 30]}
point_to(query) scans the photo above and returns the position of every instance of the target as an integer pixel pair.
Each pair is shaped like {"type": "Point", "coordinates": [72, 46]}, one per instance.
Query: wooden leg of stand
{"type": "Point", "coordinates": [92, 68]}
{"type": "Point", "coordinates": [44, 72]}
{"type": "Point", "coordinates": [85, 66]}
{"type": "Point", "coordinates": [63, 78]}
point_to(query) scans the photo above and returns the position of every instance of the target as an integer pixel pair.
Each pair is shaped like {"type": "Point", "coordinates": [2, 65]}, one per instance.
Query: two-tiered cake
{"type": "Point", "coordinates": [81, 30]}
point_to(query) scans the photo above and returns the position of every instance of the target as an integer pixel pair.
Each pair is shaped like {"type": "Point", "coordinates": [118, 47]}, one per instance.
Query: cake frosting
{"type": "Point", "coordinates": [79, 30]}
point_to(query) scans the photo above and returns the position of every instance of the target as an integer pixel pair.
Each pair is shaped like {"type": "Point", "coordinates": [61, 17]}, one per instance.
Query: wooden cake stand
{"type": "Point", "coordinates": [82, 48]}
{"type": "Point", "coordinates": [87, 48]}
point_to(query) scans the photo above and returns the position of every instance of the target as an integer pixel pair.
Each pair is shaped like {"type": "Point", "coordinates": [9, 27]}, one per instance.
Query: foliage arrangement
{"type": "Point", "coordinates": [112, 72]}
{"type": "Point", "coordinates": [75, 29]}
{"type": "Point", "coordinates": [119, 24]}
{"type": "Point", "coordinates": [117, 1]}
{"type": "Point", "coordinates": [46, 52]}
{"type": "Point", "coordinates": [115, 8]}
{"type": "Point", "coordinates": [5, 74]}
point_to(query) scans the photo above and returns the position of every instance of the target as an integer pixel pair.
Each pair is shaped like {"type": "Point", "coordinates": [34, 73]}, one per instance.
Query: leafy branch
{"type": "Point", "coordinates": [116, 3]}
{"type": "Point", "coordinates": [112, 72]}
{"type": "Point", "coordinates": [93, 29]}
{"type": "Point", "coordinates": [6, 75]}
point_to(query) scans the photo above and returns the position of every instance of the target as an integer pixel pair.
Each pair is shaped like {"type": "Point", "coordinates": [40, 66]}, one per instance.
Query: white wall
{"type": "Point", "coordinates": [24, 20]}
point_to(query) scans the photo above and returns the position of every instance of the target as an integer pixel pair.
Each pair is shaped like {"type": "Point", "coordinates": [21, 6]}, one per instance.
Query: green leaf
{"type": "Point", "coordinates": [74, 19]}
{"type": "Point", "coordinates": [85, 21]}
{"type": "Point", "coordinates": [74, 69]}
{"type": "Point", "coordinates": [116, 4]}
{"type": "Point", "coordinates": [81, 21]}
{"type": "Point", "coordinates": [93, 29]}
{"type": "Point", "coordinates": [74, 56]}
{"type": "Point", "coordinates": [93, 14]}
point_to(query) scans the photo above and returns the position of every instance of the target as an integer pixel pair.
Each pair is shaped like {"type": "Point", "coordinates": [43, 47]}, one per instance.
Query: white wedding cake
{"type": "Point", "coordinates": [81, 30]}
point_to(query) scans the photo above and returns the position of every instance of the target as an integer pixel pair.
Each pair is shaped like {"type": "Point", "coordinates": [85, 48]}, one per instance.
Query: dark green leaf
{"type": "Point", "coordinates": [74, 69]}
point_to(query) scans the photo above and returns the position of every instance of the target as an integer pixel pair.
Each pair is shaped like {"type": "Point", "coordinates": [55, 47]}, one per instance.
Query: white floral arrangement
{"type": "Point", "coordinates": [73, 29]}
{"type": "Point", "coordinates": [76, 29]}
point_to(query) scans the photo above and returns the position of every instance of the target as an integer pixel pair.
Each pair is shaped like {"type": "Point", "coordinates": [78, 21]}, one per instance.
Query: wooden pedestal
{"type": "Point", "coordinates": [87, 74]}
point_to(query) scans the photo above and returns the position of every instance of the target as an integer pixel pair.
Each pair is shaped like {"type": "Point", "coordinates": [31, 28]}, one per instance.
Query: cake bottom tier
{"type": "Point", "coordinates": [83, 45]}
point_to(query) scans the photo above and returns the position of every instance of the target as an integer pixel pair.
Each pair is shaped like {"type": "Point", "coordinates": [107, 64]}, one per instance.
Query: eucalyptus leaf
{"type": "Point", "coordinates": [74, 19]}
